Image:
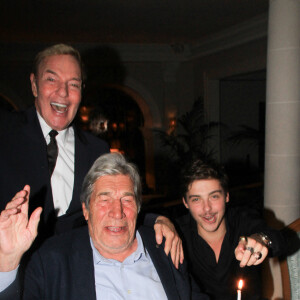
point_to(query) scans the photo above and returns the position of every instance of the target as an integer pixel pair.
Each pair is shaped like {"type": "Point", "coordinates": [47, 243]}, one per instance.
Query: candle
{"type": "Point", "coordinates": [239, 294]}
{"type": "Point", "coordinates": [239, 291]}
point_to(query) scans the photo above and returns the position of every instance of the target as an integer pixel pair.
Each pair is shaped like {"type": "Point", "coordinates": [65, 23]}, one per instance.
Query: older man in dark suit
{"type": "Point", "coordinates": [25, 153]}
{"type": "Point", "coordinates": [108, 259]}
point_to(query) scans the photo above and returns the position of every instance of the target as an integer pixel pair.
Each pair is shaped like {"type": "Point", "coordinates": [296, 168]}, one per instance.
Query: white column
{"type": "Point", "coordinates": [282, 154]}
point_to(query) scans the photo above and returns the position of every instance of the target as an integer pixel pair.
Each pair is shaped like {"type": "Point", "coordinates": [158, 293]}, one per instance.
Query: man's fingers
{"type": "Point", "coordinates": [252, 253]}
{"type": "Point", "coordinates": [20, 198]}
{"type": "Point", "coordinates": [173, 256]}
{"type": "Point", "coordinates": [241, 246]}
{"type": "Point", "coordinates": [174, 252]}
{"type": "Point", "coordinates": [27, 188]}
{"type": "Point", "coordinates": [177, 258]}
{"type": "Point", "coordinates": [245, 258]}
{"type": "Point", "coordinates": [5, 214]}
{"type": "Point", "coordinates": [16, 201]}
{"type": "Point", "coordinates": [168, 244]}
{"type": "Point", "coordinates": [158, 233]}
{"type": "Point", "coordinates": [264, 252]}
{"type": "Point", "coordinates": [177, 254]}
{"type": "Point", "coordinates": [238, 254]}
{"type": "Point", "coordinates": [34, 221]}
{"type": "Point", "coordinates": [256, 249]}
{"type": "Point", "coordinates": [24, 207]}
{"type": "Point", "coordinates": [181, 254]}
{"type": "Point", "coordinates": [245, 252]}
{"type": "Point", "coordinates": [239, 250]}
{"type": "Point", "coordinates": [252, 260]}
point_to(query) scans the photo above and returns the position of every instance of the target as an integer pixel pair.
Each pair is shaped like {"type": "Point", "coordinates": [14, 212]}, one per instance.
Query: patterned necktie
{"type": "Point", "coordinates": [52, 151]}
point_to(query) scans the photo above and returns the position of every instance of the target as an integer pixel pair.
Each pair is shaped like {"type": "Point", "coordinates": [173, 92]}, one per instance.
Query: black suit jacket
{"type": "Point", "coordinates": [23, 160]}
{"type": "Point", "coordinates": [63, 269]}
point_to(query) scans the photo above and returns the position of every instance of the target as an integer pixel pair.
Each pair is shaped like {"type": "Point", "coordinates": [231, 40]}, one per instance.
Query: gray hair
{"type": "Point", "coordinates": [111, 164]}
{"type": "Point", "coordinates": [58, 49]}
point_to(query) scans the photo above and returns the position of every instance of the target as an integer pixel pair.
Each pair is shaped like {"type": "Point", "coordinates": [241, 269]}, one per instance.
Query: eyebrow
{"type": "Point", "coordinates": [109, 193]}
{"type": "Point", "coordinates": [103, 193]}
{"type": "Point", "coordinates": [54, 73]}
{"type": "Point", "coordinates": [212, 192]}
{"type": "Point", "coordinates": [128, 194]}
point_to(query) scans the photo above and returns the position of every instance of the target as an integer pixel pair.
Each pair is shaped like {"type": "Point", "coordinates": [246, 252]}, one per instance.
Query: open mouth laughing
{"type": "Point", "coordinates": [59, 107]}
{"type": "Point", "coordinates": [210, 218]}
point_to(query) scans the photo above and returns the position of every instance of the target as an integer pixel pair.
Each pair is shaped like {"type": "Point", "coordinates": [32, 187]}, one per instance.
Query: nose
{"type": "Point", "coordinates": [116, 210]}
{"type": "Point", "coordinates": [206, 205]}
{"type": "Point", "coordinates": [63, 90]}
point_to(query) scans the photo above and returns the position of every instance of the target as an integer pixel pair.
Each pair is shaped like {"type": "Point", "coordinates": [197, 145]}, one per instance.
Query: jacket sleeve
{"type": "Point", "coordinates": [34, 282]}
{"type": "Point", "coordinates": [149, 219]}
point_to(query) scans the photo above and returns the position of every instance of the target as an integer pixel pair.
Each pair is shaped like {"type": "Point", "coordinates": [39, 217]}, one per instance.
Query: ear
{"type": "Point", "coordinates": [33, 85]}
{"type": "Point", "coordinates": [227, 198]}
{"type": "Point", "coordinates": [185, 203]}
{"type": "Point", "coordinates": [85, 212]}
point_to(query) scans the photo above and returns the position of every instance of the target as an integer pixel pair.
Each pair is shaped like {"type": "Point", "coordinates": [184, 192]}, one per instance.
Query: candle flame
{"type": "Point", "coordinates": [240, 285]}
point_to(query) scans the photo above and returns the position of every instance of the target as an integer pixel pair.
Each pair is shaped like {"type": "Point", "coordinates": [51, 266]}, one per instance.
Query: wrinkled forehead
{"type": "Point", "coordinates": [114, 183]}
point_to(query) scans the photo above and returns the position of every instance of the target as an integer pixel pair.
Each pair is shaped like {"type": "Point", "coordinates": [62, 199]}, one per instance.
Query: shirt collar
{"type": "Point", "coordinates": [62, 134]}
{"type": "Point", "coordinates": [139, 254]}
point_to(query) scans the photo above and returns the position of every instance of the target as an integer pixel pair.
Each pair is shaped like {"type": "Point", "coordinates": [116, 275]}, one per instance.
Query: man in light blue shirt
{"type": "Point", "coordinates": [136, 276]}
{"type": "Point", "coordinates": [109, 258]}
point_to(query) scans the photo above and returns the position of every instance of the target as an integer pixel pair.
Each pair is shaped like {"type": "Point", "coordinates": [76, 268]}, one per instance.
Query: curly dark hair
{"type": "Point", "coordinates": [199, 169]}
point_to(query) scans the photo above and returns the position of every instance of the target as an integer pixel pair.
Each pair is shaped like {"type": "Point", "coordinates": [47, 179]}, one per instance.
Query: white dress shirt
{"type": "Point", "coordinates": [62, 180]}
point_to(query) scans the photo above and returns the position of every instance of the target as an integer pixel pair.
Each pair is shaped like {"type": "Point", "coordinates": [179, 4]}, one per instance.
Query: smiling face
{"type": "Point", "coordinates": [57, 90]}
{"type": "Point", "coordinates": [112, 216]}
{"type": "Point", "coordinates": [206, 200]}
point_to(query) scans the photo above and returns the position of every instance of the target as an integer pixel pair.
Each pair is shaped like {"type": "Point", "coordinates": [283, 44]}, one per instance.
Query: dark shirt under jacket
{"type": "Point", "coordinates": [219, 280]}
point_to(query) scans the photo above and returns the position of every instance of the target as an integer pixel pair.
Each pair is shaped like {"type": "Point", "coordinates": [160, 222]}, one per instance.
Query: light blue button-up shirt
{"type": "Point", "coordinates": [7, 278]}
{"type": "Point", "coordinates": [135, 278]}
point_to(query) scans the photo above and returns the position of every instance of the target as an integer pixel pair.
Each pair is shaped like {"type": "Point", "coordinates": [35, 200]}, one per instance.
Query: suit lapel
{"type": "Point", "coordinates": [161, 262]}
{"type": "Point", "coordinates": [32, 127]}
{"type": "Point", "coordinates": [81, 166]}
{"type": "Point", "coordinates": [36, 151]}
{"type": "Point", "coordinates": [82, 267]}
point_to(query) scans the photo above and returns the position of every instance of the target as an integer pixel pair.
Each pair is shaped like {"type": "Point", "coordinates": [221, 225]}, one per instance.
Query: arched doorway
{"type": "Point", "coordinates": [7, 104]}
{"type": "Point", "coordinates": [113, 113]}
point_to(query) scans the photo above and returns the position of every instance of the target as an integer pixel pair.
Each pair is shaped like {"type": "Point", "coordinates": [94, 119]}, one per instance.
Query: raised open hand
{"type": "Point", "coordinates": [17, 232]}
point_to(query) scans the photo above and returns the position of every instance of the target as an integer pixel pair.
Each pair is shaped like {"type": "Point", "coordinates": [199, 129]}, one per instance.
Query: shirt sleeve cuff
{"type": "Point", "coordinates": [7, 278]}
